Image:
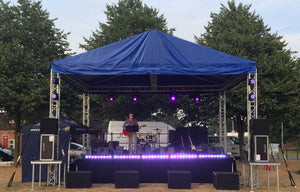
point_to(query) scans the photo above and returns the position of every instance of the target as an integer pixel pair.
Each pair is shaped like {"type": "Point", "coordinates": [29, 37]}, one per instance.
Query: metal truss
{"type": "Point", "coordinates": [52, 174]}
{"type": "Point", "coordinates": [54, 109]}
{"type": "Point", "coordinates": [222, 119]}
{"type": "Point", "coordinates": [86, 118]}
{"type": "Point", "coordinates": [251, 105]}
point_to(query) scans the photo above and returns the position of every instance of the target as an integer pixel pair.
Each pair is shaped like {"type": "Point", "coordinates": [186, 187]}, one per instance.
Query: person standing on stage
{"type": "Point", "coordinates": [132, 139]}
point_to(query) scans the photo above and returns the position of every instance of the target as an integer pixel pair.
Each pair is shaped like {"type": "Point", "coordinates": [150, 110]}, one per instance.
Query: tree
{"type": "Point", "coordinates": [29, 41]}
{"type": "Point", "coordinates": [126, 19]}
{"type": "Point", "coordinates": [238, 31]}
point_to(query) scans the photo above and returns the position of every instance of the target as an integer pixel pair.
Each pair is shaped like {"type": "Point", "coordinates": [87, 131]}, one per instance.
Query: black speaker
{"type": "Point", "coordinates": [226, 180]}
{"type": "Point", "coordinates": [49, 126]}
{"type": "Point", "coordinates": [127, 179]}
{"type": "Point", "coordinates": [48, 147]}
{"type": "Point", "coordinates": [259, 126]}
{"type": "Point", "coordinates": [259, 148]}
{"type": "Point", "coordinates": [179, 179]}
{"type": "Point", "coordinates": [79, 179]}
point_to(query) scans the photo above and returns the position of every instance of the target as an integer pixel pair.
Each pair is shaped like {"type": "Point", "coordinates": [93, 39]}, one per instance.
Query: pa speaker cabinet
{"type": "Point", "coordinates": [127, 179]}
{"type": "Point", "coordinates": [49, 126]}
{"type": "Point", "coordinates": [48, 147]}
{"type": "Point", "coordinates": [259, 127]}
{"type": "Point", "coordinates": [261, 143]}
{"type": "Point", "coordinates": [79, 179]}
{"type": "Point", "coordinates": [179, 179]}
{"type": "Point", "coordinates": [226, 180]}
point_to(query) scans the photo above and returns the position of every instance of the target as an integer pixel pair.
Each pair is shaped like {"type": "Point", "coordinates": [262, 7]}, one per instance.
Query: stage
{"type": "Point", "coordinates": [154, 168]}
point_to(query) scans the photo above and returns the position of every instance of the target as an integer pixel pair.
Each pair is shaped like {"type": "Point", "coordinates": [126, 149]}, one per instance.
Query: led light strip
{"type": "Point", "coordinates": [173, 156]}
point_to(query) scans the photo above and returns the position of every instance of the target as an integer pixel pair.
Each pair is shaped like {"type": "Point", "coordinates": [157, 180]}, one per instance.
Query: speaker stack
{"type": "Point", "coordinates": [259, 143]}
{"type": "Point", "coordinates": [48, 140]}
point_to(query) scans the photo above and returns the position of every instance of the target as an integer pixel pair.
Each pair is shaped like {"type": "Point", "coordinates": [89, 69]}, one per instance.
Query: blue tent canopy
{"type": "Point", "coordinates": [153, 61]}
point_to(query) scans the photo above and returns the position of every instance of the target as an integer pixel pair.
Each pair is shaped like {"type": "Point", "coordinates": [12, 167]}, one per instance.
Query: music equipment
{"type": "Point", "coordinates": [79, 179]}
{"type": "Point", "coordinates": [259, 148]}
{"type": "Point", "coordinates": [259, 127]}
{"type": "Point", "coordinates": [127, 179]}
{"type": "Point", "coordinates": [179, 179]}
{"type": "Point", "coordinates": [48, 147]}
{"type": "Point", "coordinates": [133, 128]}
{"type": "Point", "coordinates": [226, 180]}
{"type": "Point", "coordinates": [49, 126]}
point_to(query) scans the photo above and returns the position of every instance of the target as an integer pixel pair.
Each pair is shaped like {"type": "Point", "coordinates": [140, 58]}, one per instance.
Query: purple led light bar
{"type": "Point", "coordinates": [98, 157]}
{"type": "Point", "coordinates": [166, 156]}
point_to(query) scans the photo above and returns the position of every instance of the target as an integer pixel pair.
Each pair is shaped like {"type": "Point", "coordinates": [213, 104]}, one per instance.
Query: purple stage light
{"type": "Point", "coordinates": [251, 96]}
{"type": "Point", "coordinates": [111, 99]}
{"type": "Point", "coordinates": [251, 81]}
{"type": "Point", "coordinates": [134, 99]}
{"type": "Point", "coordinates": [98, 157]}
{"type": "Point", "coordinates": [54, 96]}
{"type": "Point", "coordinates": [55, 81]}
{"type": "Point", "coordinates": [154, 157]}
{"type": "Point", "coordinates": [173, 98]}
{"type": "Point", "coordinates": [197, 99]}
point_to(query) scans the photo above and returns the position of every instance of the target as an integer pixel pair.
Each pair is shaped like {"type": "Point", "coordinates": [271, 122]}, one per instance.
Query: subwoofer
{"type": "Point", "coordinates": [226, 180]}
{"type": "Point", "coordinates": [79, 179]}
{"type": "Point", "coordinates": [179, 179]}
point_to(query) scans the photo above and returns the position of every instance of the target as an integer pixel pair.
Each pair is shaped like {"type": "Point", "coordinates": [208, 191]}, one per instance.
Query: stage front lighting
{"type": "Point", "coordinates": [197, 99]}
{"type": "Point", "coordinates": [54, 96]}
{"type": "Point", "coordinates": [251, 96]}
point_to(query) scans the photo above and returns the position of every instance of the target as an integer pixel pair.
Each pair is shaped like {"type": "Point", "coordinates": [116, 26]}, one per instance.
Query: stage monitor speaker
{"type": "Point", "coordinates": [259, 148]}
{"type": "Point", "coordinates": [49, 126]}
{"type": "Point", "coordinates": [226, 180]}
{"type": "Point", "coordinates": [259, 127]}
{"type": "Point", "coordinates": [127, 179]}
{"type": "Point", "coordinates": [179, 179]}
{"type": "Point", "coordinates": [79, 179]}
{"type": "Point", "coordinates": [48, 147]}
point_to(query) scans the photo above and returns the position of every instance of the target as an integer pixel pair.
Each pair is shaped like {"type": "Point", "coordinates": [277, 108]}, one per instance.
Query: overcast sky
{"type": "Point", "coordinates": [81, 17]}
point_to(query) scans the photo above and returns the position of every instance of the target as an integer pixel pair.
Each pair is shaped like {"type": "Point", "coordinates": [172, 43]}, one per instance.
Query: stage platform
{"type": "Point", "coordinates": [154, 168]}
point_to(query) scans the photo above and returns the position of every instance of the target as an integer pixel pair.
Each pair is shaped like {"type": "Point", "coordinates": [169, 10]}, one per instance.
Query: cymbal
{"type": "Point", "coordinates": [156, 129]}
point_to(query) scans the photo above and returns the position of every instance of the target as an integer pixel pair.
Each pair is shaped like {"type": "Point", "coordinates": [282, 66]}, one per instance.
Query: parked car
{"type": "Point", "coordinates": [232, 144]}
{"type": "Point", "coordinates": [6, 155]}
{"type": "Point", "coordinates": [77, 151]}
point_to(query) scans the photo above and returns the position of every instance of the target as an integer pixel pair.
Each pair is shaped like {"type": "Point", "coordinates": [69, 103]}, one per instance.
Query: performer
{"type": "Point", "coordinates": [132, 139]}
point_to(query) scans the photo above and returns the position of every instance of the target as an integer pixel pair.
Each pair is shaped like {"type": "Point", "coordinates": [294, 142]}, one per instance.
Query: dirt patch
{"type": "Point", "coordinates": [285, 186]}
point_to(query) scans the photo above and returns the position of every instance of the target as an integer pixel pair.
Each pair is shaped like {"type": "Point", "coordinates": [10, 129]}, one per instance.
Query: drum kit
{"type": "Point", "coordinates": [148, 142]}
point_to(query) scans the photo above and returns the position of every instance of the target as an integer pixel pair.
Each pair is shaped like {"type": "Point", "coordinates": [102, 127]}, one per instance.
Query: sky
{"type": "Point", "coordinates": [188, 17]}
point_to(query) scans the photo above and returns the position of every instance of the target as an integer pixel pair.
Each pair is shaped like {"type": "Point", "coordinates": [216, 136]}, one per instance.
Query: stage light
{"type": "Point", "coordinates": [134, 98]}
{"type": "Point", "coordinates": [55, 81]}
{"type": "Point", "coordinates": [197, 98]}
{"type": "Point", "coordinates": [251, 81]}
{"type": "Point", "coordinates": [111, 98]}
{"type": "Point", "coordinates": [159, 157]}
{"type": "Point", "coordinates": [251, 96]}
{"type": "Point", "coordinates": [173, 97]}
{"type": "Point", "coordinates": [54, 96]}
